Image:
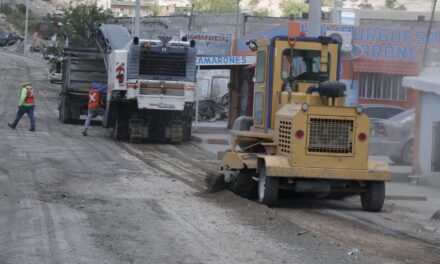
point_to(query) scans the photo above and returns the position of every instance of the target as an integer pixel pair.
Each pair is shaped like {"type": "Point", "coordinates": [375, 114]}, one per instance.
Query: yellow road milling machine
{"type": "Point", "coordinates": [302, 137]}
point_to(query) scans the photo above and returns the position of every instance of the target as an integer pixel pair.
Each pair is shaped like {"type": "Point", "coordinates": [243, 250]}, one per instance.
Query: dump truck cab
{"type": "Point", "coordinates": [301, 135]}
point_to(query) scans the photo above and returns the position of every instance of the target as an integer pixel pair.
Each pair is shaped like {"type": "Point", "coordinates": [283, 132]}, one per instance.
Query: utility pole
{"type": "Point", "coordinates": [429, 32]}
{"type": "Point", "coordinates": [191, 17]}
{"type": "Point", "coordinates": [137, 19]}
{"type": "Point", "coordinates": [25, 51]}
{"type": "Point", "coordinates": [236, 24]}
{"type": "Point", "coordinates": [314, 21]}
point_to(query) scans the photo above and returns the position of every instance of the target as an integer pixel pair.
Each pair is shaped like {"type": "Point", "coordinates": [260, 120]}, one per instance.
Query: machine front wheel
{"type": "Point", "coordinates": [267, 188]}
{"type": "Point", "coordinates": [241, 183]}
{"type": "Point", "coordinates": [373, 199]}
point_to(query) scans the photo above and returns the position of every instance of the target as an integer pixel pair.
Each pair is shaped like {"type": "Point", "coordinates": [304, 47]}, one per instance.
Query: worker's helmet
{"type": "Point", "coordinates": [26, 84]}
{"type": "Point", "coordinates": [95, 85]}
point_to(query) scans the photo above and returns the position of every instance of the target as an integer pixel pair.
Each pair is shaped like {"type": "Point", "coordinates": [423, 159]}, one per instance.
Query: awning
{"type": "Point", "coordinates": [411, 68]}
{"type": "Point", "coordinates": [427, 81]}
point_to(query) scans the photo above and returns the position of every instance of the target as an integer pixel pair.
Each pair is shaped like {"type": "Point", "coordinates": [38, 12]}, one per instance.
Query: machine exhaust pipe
{"type": "Point", "coordinates": [331, 89]}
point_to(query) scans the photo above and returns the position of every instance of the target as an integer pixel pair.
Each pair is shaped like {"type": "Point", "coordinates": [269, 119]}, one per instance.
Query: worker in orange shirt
{"type": "Point", "coordinates": [94, 107]}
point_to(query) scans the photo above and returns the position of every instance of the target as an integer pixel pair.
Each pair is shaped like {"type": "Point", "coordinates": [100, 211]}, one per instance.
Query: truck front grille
{"type": "Point", "coordinates": [153, 62]}
{"type": "Point", "coordinates": [330, 136]}
{"type": "Point", "coordinates": [157, 88]}
{"type": "Point", "coordinates": [284, 135]}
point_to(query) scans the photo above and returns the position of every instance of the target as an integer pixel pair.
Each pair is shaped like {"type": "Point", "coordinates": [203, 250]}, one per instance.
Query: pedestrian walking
{"type": "Point", "coordinates": [26, 105]}
{"type": "Point", "coordinates": [94, 107]}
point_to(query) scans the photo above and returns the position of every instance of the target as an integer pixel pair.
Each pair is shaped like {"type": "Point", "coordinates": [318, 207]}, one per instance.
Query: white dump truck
{"type": "Point", "coordinates": [151, 86]}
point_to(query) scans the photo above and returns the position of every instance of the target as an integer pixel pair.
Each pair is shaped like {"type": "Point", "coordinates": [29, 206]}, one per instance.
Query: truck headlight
{"type": "Point", "coordinates": [359, 109]}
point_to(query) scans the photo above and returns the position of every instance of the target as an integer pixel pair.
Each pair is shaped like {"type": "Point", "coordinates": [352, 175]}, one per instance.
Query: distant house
{"type": "Point", "coordinates": [2, 18]}
{"type": "Point", "coordinates": [426, 158]}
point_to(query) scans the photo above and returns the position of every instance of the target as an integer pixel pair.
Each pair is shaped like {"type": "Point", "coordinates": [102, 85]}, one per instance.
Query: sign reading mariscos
{"type": "Point", "coordinates": [209, 44]}
{"type": "Point", "coordinates": [225, 60]}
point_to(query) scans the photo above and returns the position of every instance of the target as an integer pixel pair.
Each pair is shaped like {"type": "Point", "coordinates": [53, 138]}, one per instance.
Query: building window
{"type": "Point", "coordinates": [381, 86]}
{"type": "Point", "coordinates": [435, 164]}
{"type": "Point", "coordinates": [261, 66]}
{"type": "Point", "coordinates": [304, 65]}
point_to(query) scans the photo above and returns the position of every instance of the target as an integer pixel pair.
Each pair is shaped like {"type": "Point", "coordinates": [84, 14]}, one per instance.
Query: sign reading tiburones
{"type": "Point", "coordinates": [210, 44]}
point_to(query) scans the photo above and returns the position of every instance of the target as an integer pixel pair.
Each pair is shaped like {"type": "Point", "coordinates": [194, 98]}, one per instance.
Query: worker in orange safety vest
{"type": "Point", "coordinates": [26, 105]}
{"type": "Point", "coordinates": [94, 107]}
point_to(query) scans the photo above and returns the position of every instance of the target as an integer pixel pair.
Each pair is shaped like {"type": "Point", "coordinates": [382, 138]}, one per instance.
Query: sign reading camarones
{"type": "Point", "coordinates": [225, 60]}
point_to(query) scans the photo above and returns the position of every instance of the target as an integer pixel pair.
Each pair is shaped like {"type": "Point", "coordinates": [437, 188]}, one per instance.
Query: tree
{"type": "Point", "coordinates": [294, 8]}
{"type": "Point", "coordinates": [253, 4]}
{"type": "Point", "coordinates": [15, 15]}
{"type": "Point", "coordinates": [78, 23]}
{"type": "Point", "coordinates": [155, 9]}
{"type": "Point", "coordinates": [392, 4]}
{"type": "Point", "coordinates": [327, 2]}
{"type": "Point", "coordinates": [215, 6]}
{"type": "Point", "coordinates": [263, 12]}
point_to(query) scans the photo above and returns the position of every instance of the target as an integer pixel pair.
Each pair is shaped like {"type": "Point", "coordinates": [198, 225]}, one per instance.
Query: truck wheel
{"type": "Point", "coordinates": [187, 133]}
{"type": "Point", "coordinates": [63, 112]}
{"type": "Point", "coordinates": [241, 183]}
{"type": "Point", "coordinates": [407, 153]}
{"type": "Point", "coordinates": [373, 199]}
{"type": "Point", "coordinates": [120, 130]}
{"type": "Point", "coordinates": [187, 124]}
{"type": "Point", "coordinates": [267, 188]}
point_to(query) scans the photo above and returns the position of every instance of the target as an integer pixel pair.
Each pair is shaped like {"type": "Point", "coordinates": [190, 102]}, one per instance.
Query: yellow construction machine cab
{"type": "Point", "coordinates": [286, 68]}
{"type": "Point", "coordinates": [301, 135]}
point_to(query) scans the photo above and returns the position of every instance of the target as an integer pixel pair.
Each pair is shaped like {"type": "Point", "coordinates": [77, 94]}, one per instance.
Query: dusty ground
{"type": "Point", "coordinates": [65, 198]}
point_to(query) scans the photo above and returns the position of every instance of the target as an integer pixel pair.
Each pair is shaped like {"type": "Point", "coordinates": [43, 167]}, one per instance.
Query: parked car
{"type": "Point", "coordinates": [55, 72]}
{"type": "Point", "coordinates": [394, 137]}
{"type": "Point", "coordinates": [380, 111]}
{"type": "Point", "coordinates": [7, 39]}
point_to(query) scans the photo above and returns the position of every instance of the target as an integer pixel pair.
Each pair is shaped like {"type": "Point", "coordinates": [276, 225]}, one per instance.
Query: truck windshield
{"type": "Point", "coordinates": [301, 64]}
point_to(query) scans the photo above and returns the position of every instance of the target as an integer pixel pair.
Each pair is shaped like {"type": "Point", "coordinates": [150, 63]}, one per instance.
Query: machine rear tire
{"type": "Point", "coordinates": [373, 199]}
{"type": "Point", "coordinates": [267, 188]}
{"type": "Point", "coordinates": [241, 183]}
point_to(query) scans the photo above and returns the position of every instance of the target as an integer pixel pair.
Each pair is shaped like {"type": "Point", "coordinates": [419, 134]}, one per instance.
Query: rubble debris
{"type": "Point", "coordinates": [436, 215]}
{"type": "Point", "coordinates": [214, 182]}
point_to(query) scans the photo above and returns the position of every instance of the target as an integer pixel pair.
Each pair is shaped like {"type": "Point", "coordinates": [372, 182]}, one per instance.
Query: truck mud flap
{"type": "Point", "coordinates": [176, 133]}
{"type": "Point", "coordinates": [136, 129]}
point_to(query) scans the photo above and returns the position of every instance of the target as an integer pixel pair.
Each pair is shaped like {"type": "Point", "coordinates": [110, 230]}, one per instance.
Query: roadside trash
{"type": "Point", "coordinates": [436, 215]}
{"type": "Point", "coordinates": [353, 251]}
{"type": "Point", "coordinates": [302, 233]}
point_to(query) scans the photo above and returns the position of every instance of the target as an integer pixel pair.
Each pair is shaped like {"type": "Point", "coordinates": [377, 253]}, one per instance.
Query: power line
{"type": "Point", "coordinates": [429, 32]}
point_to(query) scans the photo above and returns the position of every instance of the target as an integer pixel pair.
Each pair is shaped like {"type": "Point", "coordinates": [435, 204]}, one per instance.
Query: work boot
{"type": "Point", "coordinates": [11, 126]}
{"type": "Point", "coordinates": [84, 133]}
{"type": "Point", "coordinates": [32, 129]}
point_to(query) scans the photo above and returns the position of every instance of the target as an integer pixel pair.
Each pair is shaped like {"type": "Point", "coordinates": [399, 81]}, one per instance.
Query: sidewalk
{"type": "Point", "coordinates": [418, 201]}
{"type": "Point", "coordinates": [212, 136]}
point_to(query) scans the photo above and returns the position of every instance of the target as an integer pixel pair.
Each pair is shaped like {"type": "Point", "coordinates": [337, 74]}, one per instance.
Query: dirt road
{"type": "Point", "coordinates": [65, 198]}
